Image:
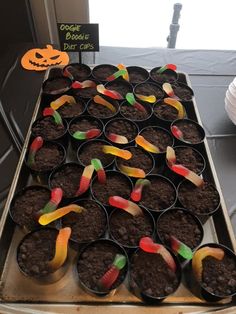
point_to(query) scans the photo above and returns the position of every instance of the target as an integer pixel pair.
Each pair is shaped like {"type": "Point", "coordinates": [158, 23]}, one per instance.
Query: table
{"type": "Point", "coordinates": [210, 74]}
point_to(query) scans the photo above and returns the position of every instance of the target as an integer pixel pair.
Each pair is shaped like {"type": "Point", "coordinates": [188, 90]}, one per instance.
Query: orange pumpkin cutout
{"type": "Point", "coordinates": [40, 59]}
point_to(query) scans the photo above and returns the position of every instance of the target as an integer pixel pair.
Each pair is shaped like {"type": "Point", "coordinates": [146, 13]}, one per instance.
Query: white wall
{"type": "Point", "coordinates": [204, 24]}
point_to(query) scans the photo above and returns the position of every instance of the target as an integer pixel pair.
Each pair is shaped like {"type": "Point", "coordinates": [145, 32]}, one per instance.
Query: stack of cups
{"type": "Point", "coordinates": [230, 101]}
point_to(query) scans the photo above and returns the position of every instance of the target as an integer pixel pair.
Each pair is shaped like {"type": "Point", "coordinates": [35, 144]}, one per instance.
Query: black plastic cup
{"type": "Point", "coordinates": [69, 117]}
{"type": "Point", "coordinates": [120, 85]}
{"type": "Point", "coordinates": [153, 211]}
{"type": "Point", "coordinates": [189, 124]}
{"type": "Point", "coordinates": [121, 121]}
{"type": "Point", "coordinates": [43, 279]}
{"type": "Point", "coordinates": [100, 112]}
{"type": "Point", "coordinates": [67, 199]}
{"type": "Point", "coordinates": [87, 92]}
{"type": "Point", "coordinates": [164, 131]}
{"type": "Point", "coordinates": [130, 248]}
{"type": "Point", "coordinates": [32, 223]}
{"type": "Point", "coordinates": [42, 176]}
{"type": "Point", "coordinates": [161, 121]}
{"type": "Point", "coordinates": [123, 271]}
{"type": "Point", "coordinates": [185, 212]}
{"type": "Point", "coordinates": [62, 139]}
{"type": "Point", "coordinates": [97, 125]}
{"type": "Point", "coordinates": [176, 86]}
{"type": "Point", "coordinates": [203, 216]}
{"type": "Point", "coordinates": [124, 162]}
{"type": "Point", "coordinates": [159, 157]}
{"type": "Point", "coordinates": [135, 286]}
{"type": "Point", "coordinates": [48, 96]}
{"type": "Point", "coordinates": [147, 89]}
{"type": "Point", "coordinates": [118, 193]}
{"type": "Point", "coordinates": [102, 71]}
{"type": "Point", "coordinates": [83, 147]}
{"type": "Point", "coordinates": [76, 242]}
{"type": "Point", "coordinates": [79, 71]}
{"type": "Point", "coordinates": [176, 178]}
{"type": "Point", "coordinates": [137, 74]}
{"type": "Point", "coordinates": [197, 288]}
{"type": "Point", "coordinates": [167, 76]}
{"type": "Point", "coordinates": [131, 113]}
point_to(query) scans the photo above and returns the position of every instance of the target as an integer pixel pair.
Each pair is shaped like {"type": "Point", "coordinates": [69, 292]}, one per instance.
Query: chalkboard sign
{"type": "Point", "coordinates": [78, 37]}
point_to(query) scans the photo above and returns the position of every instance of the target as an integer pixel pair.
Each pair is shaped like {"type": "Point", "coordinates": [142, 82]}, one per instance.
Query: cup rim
{"type": "Point", "coordinates": [150, 298]}
{"type": "Point", "coordinates": [100, 66]}
{"type": "Point", "coordinates": [108, 117]}
{"type": "Point", "coordinates": [146, 104]}
{"type": "Point", "coordinates": [139, 69]}
{"type": "Point", "coordinates": [132, 247]}
{"type": "Point", "coordinates": [71, 163]}
{"type": "Point", "coordinates": [88, 117]}
{"type": "Point", "coordinates": [55, 78]}
{"type": "Point", "coordinates": [142, 150]}
{"type": "Point", "coordinates": [129, 121]}
{"type": "Point", "coordinates": [82, 146]}
{"type": "Point", "coordinates": [228, 252]}
{"type": "Point", "coordinates": [21, 192]}
{"type": "Point", "coordinates": [42, 278]}
{"type": "Point", "coordinates": [162, 129]}
{"type": "Point", "coordinates": [191, 210]}
{"type": "Point", "coordinates": [180, 84]}
{"type": "Point", "coordinates": [196, 151]}
{"type": "Point", "coordinates": [123, 82]}
{"type": "Point", "coordinates": [92, 243]}
{"type": "Point", "coordinates": [83, 65]}
{"type": "Point", "coordinates": [162, 119]}
{"type": "Point", "coordinates": [78, 201]}
{"type": "Point", "coordinates": [65, 123]}
{"type": "Point", "coordinates": [200, 128]}
{"type": "Point", "coordinates": [165, 71]}
{"type": "Point", "coordinates": [83, 102]}
{"type": "Point", "coordinates": [45, 172]}
{"type": "Point", "coordinates": [85, 98]}
{"type": "Point", "coordinates": [109, 171]}
{"type": "Point", "coordinates": [159, 87]}
{"type": "Point", "coordinates": [186, 212]}
{"type": "Point", "coordinates": [174, 188]}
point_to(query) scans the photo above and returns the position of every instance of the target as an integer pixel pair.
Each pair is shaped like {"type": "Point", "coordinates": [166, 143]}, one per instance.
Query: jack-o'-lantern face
{"type": "Point", "coordinates": [40, 59]}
